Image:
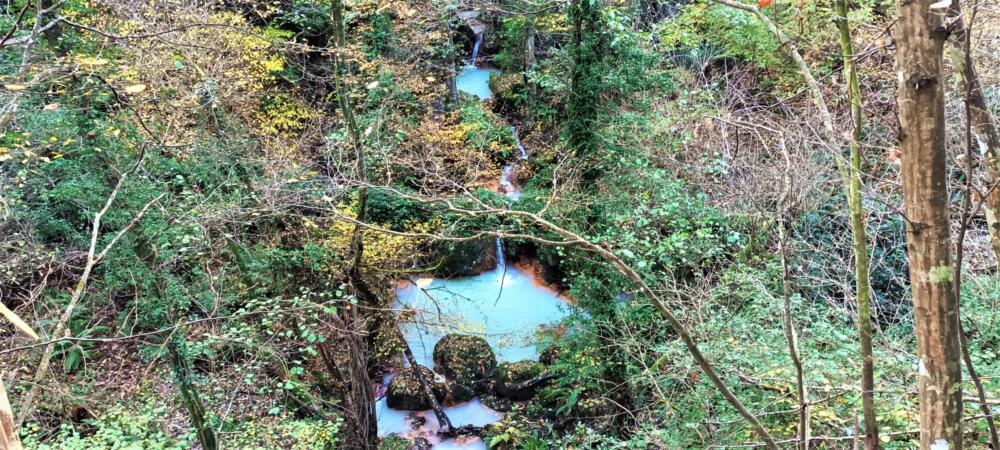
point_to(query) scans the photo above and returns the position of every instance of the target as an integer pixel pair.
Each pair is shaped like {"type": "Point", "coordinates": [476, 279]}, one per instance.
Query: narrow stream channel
{"type": "Point", "coordinates": [506, 306]}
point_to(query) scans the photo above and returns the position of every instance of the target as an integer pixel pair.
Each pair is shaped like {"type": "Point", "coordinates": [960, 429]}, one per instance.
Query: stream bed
{"type": "Point", "coordinates": [506, 306]}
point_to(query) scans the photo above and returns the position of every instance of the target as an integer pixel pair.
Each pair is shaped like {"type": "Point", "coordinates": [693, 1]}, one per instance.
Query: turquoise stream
{"type": "Point", "coordinates": [506, 306]}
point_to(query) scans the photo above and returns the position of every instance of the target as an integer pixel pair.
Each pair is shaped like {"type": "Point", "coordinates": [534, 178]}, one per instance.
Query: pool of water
{"type": "Point", "coordinates": [475, 81]}
{"type": "Point", "coordinates": [506, 306]}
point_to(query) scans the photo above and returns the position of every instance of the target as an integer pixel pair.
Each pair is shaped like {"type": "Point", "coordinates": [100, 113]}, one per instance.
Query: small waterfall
{"type": "Point", "coordinates": [501, 259]}
{"type": "Point", "coordinates": [520, 147]}
{"type": "Point", "coordinates": [475, 48]}
{"type": "Point", "coordinates": [505, 183]}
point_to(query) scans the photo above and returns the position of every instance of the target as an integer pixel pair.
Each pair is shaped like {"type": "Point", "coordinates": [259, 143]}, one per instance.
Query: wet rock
{"type": "Point", "coordinates": [519, 381]}
{"type": "Point", "coordinates": [420, 444]}
{"type": "Point", "coordinates": [462, 259]}
{"type": "Point", "coordinates": [462, 358]}
{"type": "Point", "coordinates": [497, 403]}
{"type": "Point", "coordinates": [461, 390]}
{"type": "Point", "coordinates": [405, 392]}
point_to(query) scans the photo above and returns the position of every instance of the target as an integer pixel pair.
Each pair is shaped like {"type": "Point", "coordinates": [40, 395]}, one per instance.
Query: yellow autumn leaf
{"type": "Point", "coordinates": [18, 323]}
{"type": "Point", "coordinates": [135, 88]}
{"type": "Point", "coordinates": [92, 61]}
{"type": "Point", "coordinates": [15, 87]}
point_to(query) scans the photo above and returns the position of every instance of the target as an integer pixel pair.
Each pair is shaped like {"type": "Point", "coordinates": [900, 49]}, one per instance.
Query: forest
{"type": "Point", "coordinates": [499, 224]}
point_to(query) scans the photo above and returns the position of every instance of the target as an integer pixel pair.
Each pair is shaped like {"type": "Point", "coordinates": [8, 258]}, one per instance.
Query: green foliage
{"type": "Point", "coordinates": [116, 429]}
{"type": "Point", "coordinates": [310, 18]}
{"type": "Point", "coordinates": [512, 39]}
{"type": "Point", "coordinates": [393, 442]}
{"type": "Point", "coordinates": [737, 33]}
{"type": "Point", "coordinates": [76, 353]}
{"type": "Point", "coordinates": [484, 131]}
{"type": "Point", "coordinates": [378, 39]}
{"type": "Point", "coordinates": [288, 433]}
{"type": "Point", "coordinates": [589, 43]}
{"type": "Point", "coordinates": [630, 65]}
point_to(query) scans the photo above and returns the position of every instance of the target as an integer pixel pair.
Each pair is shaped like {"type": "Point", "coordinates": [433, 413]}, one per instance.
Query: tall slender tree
{"type": "Point", "coordinates": [981, 134]}
{"type": "Point", "coordinates": [920, 34]}
{"type": "Point", "coordinates": [859, 237]}
{"type": "Point", "coordinates": [850, 172]}
{"type": "Point", "coordinates": [363, 429]}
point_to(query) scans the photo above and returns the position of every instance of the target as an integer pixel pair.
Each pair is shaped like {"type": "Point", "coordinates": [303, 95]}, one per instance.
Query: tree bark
{"type": "Point", "coordinates": [359, 399]}
{"type": "Point", "coordinates": [8, 431]}
{"type": "Point", "coordinates": [920, 34]}
{"type": "Point", "coordinates": [859, 237]}
{"type": "Point", "coordinates": [984, 125]}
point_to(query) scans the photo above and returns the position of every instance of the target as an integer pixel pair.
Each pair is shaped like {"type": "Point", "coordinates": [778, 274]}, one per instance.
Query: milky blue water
{"type": "Point", "coordinates": [475, 81]}
{"type": "Point", "coordinates": [505, 306]}
{"type": "Point", "coordinates": [507, 309]}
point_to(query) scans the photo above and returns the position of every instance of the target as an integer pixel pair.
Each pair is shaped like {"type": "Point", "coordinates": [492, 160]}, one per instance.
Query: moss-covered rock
{"type": "Point", "coordinates": [464, 358]}
{"type": "Point", "coordinates": [406, 393]}
{"type": "Point", "coordinates": [461, 390]}
{"type": "Point", "coordinates": [512, 379]}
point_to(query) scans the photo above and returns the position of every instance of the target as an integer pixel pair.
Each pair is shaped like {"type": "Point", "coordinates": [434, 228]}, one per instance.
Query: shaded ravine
{"type": "Point", "coordinates": [506, 306]}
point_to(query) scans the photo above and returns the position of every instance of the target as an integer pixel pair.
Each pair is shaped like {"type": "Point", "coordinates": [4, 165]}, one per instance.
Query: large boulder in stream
{"type": "Point", "coordinates": [519, 381]}
{"type": "Point", "coordinates": [466, 361]}
{"type": "Point", "coordinates": [406, 393]}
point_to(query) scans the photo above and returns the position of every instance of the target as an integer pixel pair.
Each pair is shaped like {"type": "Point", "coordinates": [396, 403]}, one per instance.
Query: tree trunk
{"type": "Point", "coordinates": [446, 428]}
{"type": "Point", "coordinates": [979, 121]}
{"type": "Point", "coordinates": [363, 423]}
{"type": "Point", "coordinates": [340, 44]}
{"type": "Point", "coordinates": [190, 398]}
{"type": "Point", "coordinates": [582, 107]}
{"type": "Point", "coordinates": [920, 35]}
{"type": "Point", "coordinates": [8, 432]}
{"type": "Point", "coordinates": [859, 236]}
{"type": "Point", "coordinates": [784, 211]}
{"type": "Point", "coordinates": [361, 430]}
{"type": "Point", "coordinates": [984, 125]}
